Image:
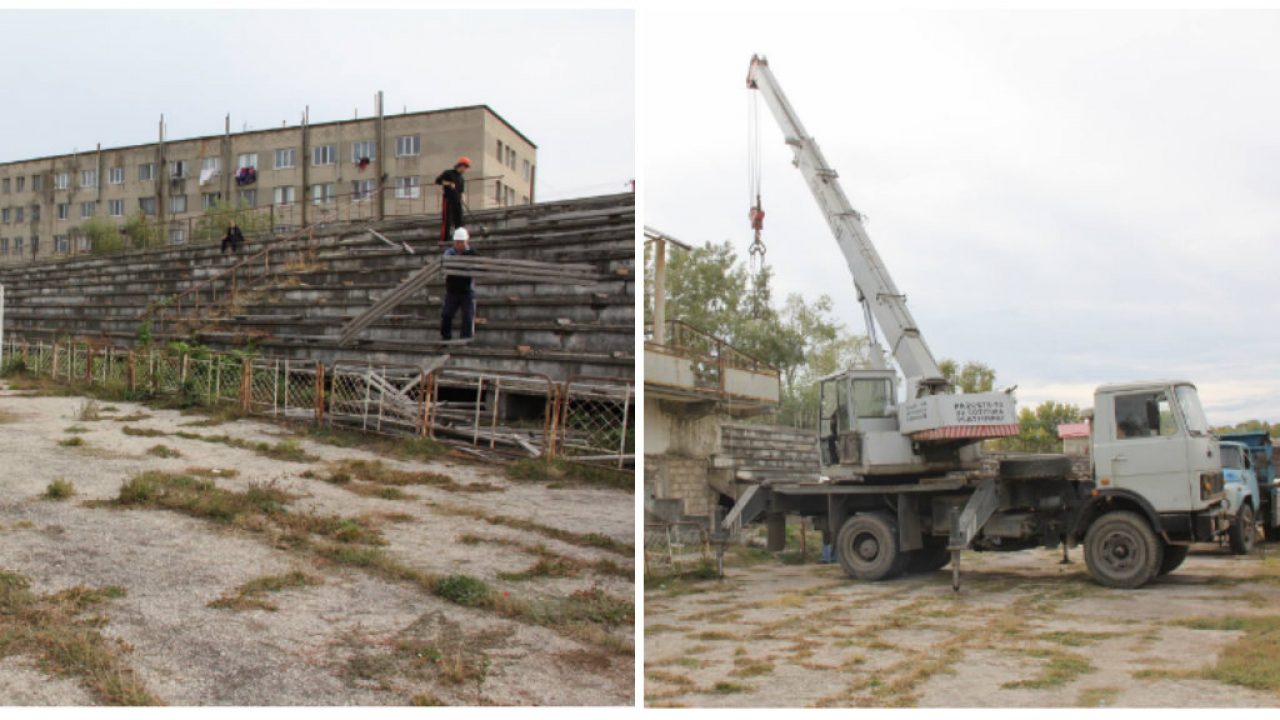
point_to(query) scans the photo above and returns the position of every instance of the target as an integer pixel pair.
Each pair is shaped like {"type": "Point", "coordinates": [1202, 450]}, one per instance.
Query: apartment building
{"type": "Point", "coordinates": [375, 167]}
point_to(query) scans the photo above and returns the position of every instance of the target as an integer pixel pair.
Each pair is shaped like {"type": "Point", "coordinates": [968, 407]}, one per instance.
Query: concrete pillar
{"type": "Point", "coordinates": [777, 525]}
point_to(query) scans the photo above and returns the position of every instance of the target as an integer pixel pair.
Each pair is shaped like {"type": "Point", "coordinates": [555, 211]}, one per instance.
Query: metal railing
{"type": "Point", "coordinates": [504, 413]}
{"type": "Point", "coordinates": [675, 548]}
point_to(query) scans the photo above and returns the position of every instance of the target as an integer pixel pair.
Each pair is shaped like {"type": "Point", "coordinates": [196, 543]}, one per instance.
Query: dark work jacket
{"type": "Point", "coordinates": [455, 177]}
{"type": "Point", "coordinates": [234, 236]}
{"type": "Point", "coordinates": [457, 284]}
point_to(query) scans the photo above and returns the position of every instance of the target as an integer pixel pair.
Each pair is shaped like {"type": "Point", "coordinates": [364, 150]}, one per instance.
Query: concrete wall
{"type": "Point", "coordinates": [681, 478]}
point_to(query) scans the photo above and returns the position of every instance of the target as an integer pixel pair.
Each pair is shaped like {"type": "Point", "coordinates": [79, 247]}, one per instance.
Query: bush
{"type": "Point", "coordinates": [464, 590]}
{"type": "Point", "coordinates": [59, 489]}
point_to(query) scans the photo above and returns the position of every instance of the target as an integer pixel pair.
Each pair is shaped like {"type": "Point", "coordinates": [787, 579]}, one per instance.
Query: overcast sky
{"type": "Point", "coordinates": [565, 79]}
{"type": "Point", "coordinates": [1071, 197]}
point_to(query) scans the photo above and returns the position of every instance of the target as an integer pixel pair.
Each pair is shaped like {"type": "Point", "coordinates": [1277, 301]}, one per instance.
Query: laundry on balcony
{"type": "Point", "coordinates": [246, 176]}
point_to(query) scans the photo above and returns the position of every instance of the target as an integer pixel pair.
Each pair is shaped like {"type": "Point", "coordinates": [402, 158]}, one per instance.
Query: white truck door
{"type": "Point", "coordinates": [1147, 451]}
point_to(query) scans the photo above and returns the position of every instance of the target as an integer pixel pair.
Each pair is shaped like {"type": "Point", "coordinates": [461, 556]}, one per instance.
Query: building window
{"type": "Point", "coordinates": [37, 183]}
{"type": "Point", "coordinates": [4, 186]}
{"type": "Point", "coordinates": [17, 246]}
{"type": "Point", "coordinates": [4, 216]}
{"type": "Point", "coordinates": [211, 164]}
{"type": "Point", "coordinates": [361, 189]}
{"type": "Point", "coordinates": [407, 187]}
{"type": "Point", "coordinates": [511, 158]}
{"type": "Point", "coordinates": [60, 244]}
{"type": "Point", "coordinates": [286, 195]}
{"type": "Point", "coordinates": [20, 181]}
{"type": "Point", "coordinates": [249, 198]}
{"type": "Point", "coordinates": [178, 169]}
{"type": "Point", "coordinates": [17, 215]}
{"type": "Point", "coordinates": [115, 208]}
{"type": "Point", "coordinates": [115, 176]}
{"type": "Point", "coordinates": [363, 151]}
{"type": "Point", "coordinates": [62, 181]}
{"type": "Point", "coordinates": [248, 160]}
{"type": "Point", "coordinates": [177, 236]}
{"type": "Point", "coordinates": [88, 178]}
{"type": "Point", "coordinates": [4, 246]}
{"type": "Point", "coordinates": [64, 210]}
{"type": "Point", "coordinates": [147, 205]}
{"type": "Point", "coordinates": [524, 171]}
{"type": "Point", "coordinates": [210, 200]}
{"type": "Point", "coordinates": [286, 158]}
{"type": "Point", "coordinates": [408, 145]}
{"type": "Point", "coordinates": [146, 171]}
{"type": "Point", "coordinates": [323, 155]}
{"type": "Point", "coordinates": [87, 209]}
{"type": "Point", "coordinates": [497, 193]}
{"type": "Point", "coordinates": [178, 204]}
{"type": "Point", "coordinates": [322, 193]}
{"type": "Point", "coordinates": [35, 213]}
{"type": "Point", "coordinates": [500, 155]}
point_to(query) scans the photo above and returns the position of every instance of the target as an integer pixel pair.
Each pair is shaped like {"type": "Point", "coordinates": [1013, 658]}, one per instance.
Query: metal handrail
{"type": "Point", "coordinates": [233, 270]}
{"type": "Point", "coordinates": [723, 351]}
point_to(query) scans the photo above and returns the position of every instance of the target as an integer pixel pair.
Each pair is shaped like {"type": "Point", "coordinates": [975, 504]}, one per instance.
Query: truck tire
{"type": "Point", "coordinates": [1122, 551]}
{"type": "Point", "coordinates": [1035, 467]}
{"type": "Point", "coordinates": [1242, 532]}
{"type": "Point", "coordinates": [1173, 557]}
{"type": "Point", "coordinates": [867, 547]}
{"type": "Point", "coordinates": [929, 558]}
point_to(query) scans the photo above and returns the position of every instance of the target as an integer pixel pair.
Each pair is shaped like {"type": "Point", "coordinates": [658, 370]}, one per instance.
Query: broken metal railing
{"type": "Point", "coordinates": [466, 405]}
{"type": "Point", "coordinates": [489, 413]}
{"type": "Point", "coordinates": [597, 421]}
{"type": "Point", "coordinates": [675, 548]}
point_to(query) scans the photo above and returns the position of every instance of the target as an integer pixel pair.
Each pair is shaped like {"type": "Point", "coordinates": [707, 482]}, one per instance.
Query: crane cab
{"type": "Point", "coordinates": [866, 431]}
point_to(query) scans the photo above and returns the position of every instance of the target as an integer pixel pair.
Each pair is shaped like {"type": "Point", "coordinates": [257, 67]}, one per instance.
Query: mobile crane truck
{"type": "Point", "coordinates": [901, 487]}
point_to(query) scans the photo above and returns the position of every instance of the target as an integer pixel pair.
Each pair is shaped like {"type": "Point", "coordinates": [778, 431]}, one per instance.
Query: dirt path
{"type": "Point", "coordinates": [343, 636]}
{"type": "Point", "coordinates": [1024, 632]}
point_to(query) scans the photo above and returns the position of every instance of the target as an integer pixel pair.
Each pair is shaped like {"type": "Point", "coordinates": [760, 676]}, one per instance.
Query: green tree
{"type": "Point", "coordinates": [973, 377]}
{"type": "Point", "coordinates": [1038, 428]}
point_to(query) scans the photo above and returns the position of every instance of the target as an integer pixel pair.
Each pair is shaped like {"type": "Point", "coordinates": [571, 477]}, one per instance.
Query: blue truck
{"type": "Point", "coordinates": [1256, 459]}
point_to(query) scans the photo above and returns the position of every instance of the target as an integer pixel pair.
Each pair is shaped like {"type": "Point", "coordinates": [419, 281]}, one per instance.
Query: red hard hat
{"type": "Point", "coordinates": [464, 160]}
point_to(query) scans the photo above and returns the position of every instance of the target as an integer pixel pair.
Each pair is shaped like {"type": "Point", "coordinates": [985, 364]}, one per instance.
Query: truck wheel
{"type": "Point", "coordinates": [1173, 557]}
{"type": "Point", "coordinates": [867, 547]}
{"type": "Point", "coordinates": [929, 558]}
{"type": "Point", "coordinates": [1242, 532]}
{"type": "Point", "coordinates": [1122, 551]}
{"type": "Point", "coordinates": [1035, 467]}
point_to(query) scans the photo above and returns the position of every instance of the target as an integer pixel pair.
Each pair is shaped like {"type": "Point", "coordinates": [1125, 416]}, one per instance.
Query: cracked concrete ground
{"type": "Point", "coordinates": [1023, 632]}
{"type": "Point", "coordinates": [341, 641]}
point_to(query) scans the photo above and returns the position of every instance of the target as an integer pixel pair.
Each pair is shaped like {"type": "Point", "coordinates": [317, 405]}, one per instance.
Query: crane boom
{"type": "Point", "coordinates": [874, 285]}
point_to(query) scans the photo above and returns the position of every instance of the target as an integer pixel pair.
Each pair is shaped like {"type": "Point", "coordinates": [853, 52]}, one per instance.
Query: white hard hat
{"type": "Point", "coordinates": [461, 234]}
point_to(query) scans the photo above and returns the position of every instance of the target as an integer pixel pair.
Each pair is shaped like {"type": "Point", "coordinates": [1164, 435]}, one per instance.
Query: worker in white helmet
{"type": "Point", "coordinates": [458, 292]}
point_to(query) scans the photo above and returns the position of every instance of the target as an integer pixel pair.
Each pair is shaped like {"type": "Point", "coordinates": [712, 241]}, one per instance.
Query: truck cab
{"type": "Point", "coordinates": [1244, 499]}
{"type": "Point", "coordinates": [1152, 444]}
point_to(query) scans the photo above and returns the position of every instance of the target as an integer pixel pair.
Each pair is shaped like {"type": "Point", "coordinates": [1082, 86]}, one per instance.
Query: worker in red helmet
{"type": "Point", "coordinates": [451, 201]}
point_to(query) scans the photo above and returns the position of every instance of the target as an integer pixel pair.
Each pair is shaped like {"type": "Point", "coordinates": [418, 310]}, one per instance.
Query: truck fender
{"type": "Point", "coordinates": [1114, 499]}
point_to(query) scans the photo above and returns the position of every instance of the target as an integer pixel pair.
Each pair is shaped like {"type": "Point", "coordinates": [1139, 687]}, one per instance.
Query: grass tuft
{"type": "Point", "coordinates": [59, 489]}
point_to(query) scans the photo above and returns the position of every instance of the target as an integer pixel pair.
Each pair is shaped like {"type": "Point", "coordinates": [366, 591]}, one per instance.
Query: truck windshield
{"type": "Point", "coordinates": [1231, 459]}
{"type": "Point", "coordinates": [1189, 401]}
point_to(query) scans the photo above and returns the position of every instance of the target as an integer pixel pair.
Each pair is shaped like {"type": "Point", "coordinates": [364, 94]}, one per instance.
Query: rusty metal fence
{"type": "Point", "coordinates": [511, 413]}
{"type": "Point", "coordinates": [676, 548]}
{"type": "Point", "coordinates": [597, 421]}
{"type": "Point", "coordinates": [588, 420]}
